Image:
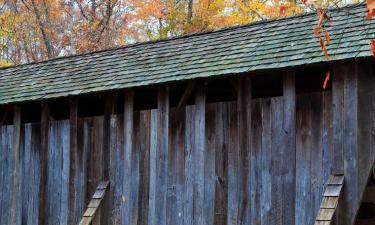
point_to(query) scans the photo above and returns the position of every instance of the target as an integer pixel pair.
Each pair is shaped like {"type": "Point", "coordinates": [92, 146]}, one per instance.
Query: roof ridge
{"type": "Point", "coordinates": [226, 29]}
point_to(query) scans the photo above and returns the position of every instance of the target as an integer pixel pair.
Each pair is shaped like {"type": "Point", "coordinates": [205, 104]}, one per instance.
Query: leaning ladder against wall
{"type": "Point", "coordinates": [94, 204]}
{"type": "Point", "coordinates": [330, 200]}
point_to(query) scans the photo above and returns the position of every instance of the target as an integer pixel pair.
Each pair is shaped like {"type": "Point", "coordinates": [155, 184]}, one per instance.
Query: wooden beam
{"type": "Point", "coordinates": [45, 123]}
{"type": "Point", "coordinates": [15, 204]}
{"type": "Point", "coordinates": [127, 215]}
{"type": "Point", "coordinates": [289, 164]}
{"type": "Point", "coordinates": [186, 95]}
{"type": "Point", "coordinates": [199, 155]}
{"type": "Point", "coordinates": [72, 217]}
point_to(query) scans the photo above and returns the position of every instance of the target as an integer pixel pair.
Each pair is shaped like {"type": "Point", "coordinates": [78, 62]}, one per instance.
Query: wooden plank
{"type": "Point", "coordinates": [256, 162]}
{"type": "Point", "coordinates": [6, 166]}
{"type": "Point", "coordinates": [304, 146]}
{"type": "Point", "coordinates": [244, 132]}
{"type": "Point", "coordinates": [94, 203]}
{"type": "Point", "coordinates": [189, 164]}
{"type": "Point", "coordinates": [73, 216]}
{"type": "Point", "coordinates": [162, 155]}
{"type": "Point", "coordinates": [32, 173]}
{"type": "Point", "coordinates": [143, 144]}
{"type": "Point", "coordinates": [233, 162]}
{"type": "Point", "coordinates": [89, 212]}
{"type": "Point", "coordinates": [129, 208]}
{"type": "Point", "coordinates": [220, 143]}
{"type": "Point", "coordinates": [329, 202]}
{"type": "Point", "coordinates": [93, 152]}
{"type": "Point", "coordinates": [289, 153]}
{"type": "Point", "coordinates": [15, 207]}
{"type": "Point", "coordinates": [336, 179]}
{"type": "Point", "coordinates": [109, 110]}
{"type": "Point", "coordinates": [153, 169]}
{"type": "Point", "coordinates": [333, 191]}
{"type": "Point", "coordinates": [350, 144]}
{"type": "Point", "coordinates": [266, 177]}
{"type": "Point", "coordinates": [199, 155]}
{"type": "Point", "coordinates": [209, 169]}
{"type": "Point", "coordinates": [277, 157]}
{"type": "Point", "coordinates": [44, 162]}
{"type": "Point", "coordinates": [325, 214]}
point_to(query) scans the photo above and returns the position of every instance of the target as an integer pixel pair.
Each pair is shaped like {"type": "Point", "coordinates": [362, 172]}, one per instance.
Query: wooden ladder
{"type": "Point", "coordinates": [330, 200]}
{"type": "Point", "coordinates": [94, 204]}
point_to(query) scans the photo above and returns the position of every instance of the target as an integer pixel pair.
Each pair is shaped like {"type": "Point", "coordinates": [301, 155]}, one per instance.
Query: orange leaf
{"type": "Point", "coordinates": [372, 46]}
{"type": "Point", "coordinates": [323, 48]}
{"type": "Point", "coordinates": [317, 31]}
{"type": "Point", "coordinates": [370, 14]}
{"type": "Point", "coordinates": [328, 38]}
{"type": "Point", "coordinates": [328, 77]}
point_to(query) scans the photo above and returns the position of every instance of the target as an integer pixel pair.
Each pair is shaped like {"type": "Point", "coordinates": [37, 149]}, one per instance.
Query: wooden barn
{"type": "Point", "coordinates": [228, 127]}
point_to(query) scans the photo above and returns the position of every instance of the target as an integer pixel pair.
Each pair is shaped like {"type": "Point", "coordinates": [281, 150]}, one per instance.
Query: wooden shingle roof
{"type": "Point", "coordinates": [258, 46]}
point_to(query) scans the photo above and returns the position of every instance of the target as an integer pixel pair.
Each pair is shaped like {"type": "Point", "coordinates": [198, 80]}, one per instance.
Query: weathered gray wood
{"type": "Point", "coordinates": [338, 118]}
{"type": "Point", "coordinates": [220, 144]}
{"type": "Point", "coordinates": [199, 155]}
{"type": "Point", "coordinates": [44, 129]}
{"type": "Point", "coordinates": [153, 168]}
{"type": "Point", "coordinates": [304, 146]}
{"type": "Point", "coordinates": [130, 207]}
{"type": "Point", "coordinates": [143, 146]}
{"type": "Point", "coordinates": [289, 153]}
{"type": "Point", "coordinates": [6, 166]}
{"type": "Point", "coordinates": [233, 162]}
{"type": "Point", "coordinates": [116, 198]}
{"type": "Point", "coordinates": [244, 132]}
{"type": "Point", "coordinates": [350, 143]}
{"type": "Point", "coordinates": [15, 207]}
{"type": "Point", "coordinates": [58, 173]}
{"type": "Point", "coordinates": [74, 162]}
{"type": "Point", "coordinates": [189, 165]}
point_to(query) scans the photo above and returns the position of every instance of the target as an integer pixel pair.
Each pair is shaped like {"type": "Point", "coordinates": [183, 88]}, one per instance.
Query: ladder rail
{"type": "Point", "coordinates": [330, 200]}
{"type": "Point", "coordinates": [94, 203]}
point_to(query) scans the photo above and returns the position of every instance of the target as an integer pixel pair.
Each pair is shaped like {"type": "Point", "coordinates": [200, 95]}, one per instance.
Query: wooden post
{"type": "Point", "coordinates": [289, 189]}
{"type": "Point", "coordinates": [15, 209]}
{"type": "Point", "coordinates": [109, 110]}
{"type": "Point", "coordinates": [244, 90]}
{"type": "Point", "coordinates": [73, 218]}
{"type": "Point", "coordinates": [45, 123]}
{"type": "Point", "coordinates": [199, 155]}
{"type": "Point", "coordinates": [159, 160]}
{"type": "Point", "coordinates": [127, 210]}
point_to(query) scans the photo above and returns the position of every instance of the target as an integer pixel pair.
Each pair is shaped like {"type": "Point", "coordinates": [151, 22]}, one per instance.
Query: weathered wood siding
{"type": "Point", "coordinates": [199, 164]}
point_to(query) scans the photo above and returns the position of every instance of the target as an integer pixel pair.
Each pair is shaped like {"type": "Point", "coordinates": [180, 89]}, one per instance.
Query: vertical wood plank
{"type": "Point", "coordinates": [45, 123]}
{"type": "Point", "coordinates": [109, 109]}
{"type": "Point", "coordinates": [266, 157]}
{"type": "Point", "coordinates": [221, 156]}
{"type": "Point", "coordinates": [289, 153]}
{"type": "Point", "coordinates": [199, 155]}
{"type": "Point", "coordinates": [189, 165]}
{"type": "Point", "coordinates": [338, 116]}
{"type": "Point", "coordinates": [127, 214]}
{"type": "Point", "coordinates": [73, 216]}
{"type": "Point", "coordinates": [277, 157]}
{"type": "Point", "coordinates": [15, 210]}
{"type": "Point", "coordinates": [6, 171]}
{"type": "Point", "coordinates": [143, 144]}
{"type": "Point", "coordinates": [350, 144]}
{"type": "Point", "coordinates": [244, 133]}
{"type": "Point", "coordinates": [159, 159]}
